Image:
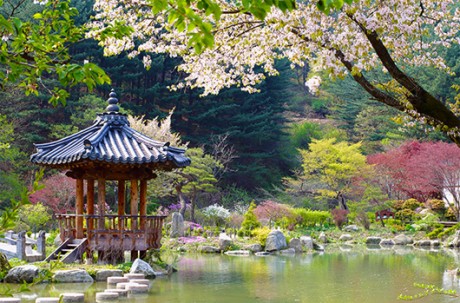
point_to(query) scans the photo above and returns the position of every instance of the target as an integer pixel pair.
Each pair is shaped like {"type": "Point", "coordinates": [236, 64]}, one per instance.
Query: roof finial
{"type": "Point", "coordinates": [112, 107]}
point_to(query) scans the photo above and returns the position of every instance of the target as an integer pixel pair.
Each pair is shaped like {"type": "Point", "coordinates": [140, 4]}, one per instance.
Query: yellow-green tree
{"type": "Point", "coordinates": [329, 169]}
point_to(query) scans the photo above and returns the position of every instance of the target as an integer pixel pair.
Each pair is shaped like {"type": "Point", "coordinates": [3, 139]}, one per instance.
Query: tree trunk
{"type": "Point", "coordinates": [182, 200]}
{"type": "Point", "coordinates": [342, 203]}
{"type": "Point", "coordinates": [192, 205]}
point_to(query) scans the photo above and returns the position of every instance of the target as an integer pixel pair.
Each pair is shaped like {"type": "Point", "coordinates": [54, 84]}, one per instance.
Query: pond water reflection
{"type": "Point", "coordinates": [358, 275]}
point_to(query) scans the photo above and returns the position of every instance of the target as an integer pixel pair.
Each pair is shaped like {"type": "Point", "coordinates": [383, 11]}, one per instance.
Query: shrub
{"type": "Point", "coordinates": [216, 214]}
{"type": "Point", "coordinates": [411, 204]}
{"type": "Point", "coordinates": [397, 205]}
{"type": "Point", "coordinates": [261, 234]}
{"type": "Point", "coordinates": [451, 214]}
{"type": "Point", "coordinates": [435, 233]}
{"type": "Point", "coordinates": [448, 231]}
{"type": "Point", "coordinates": [250, 221]}
{"type": "Point", "coordinates": [405, 215]}
{"type": "Point", "coordinates": [272, 211]}
{"type": "Point", "coordinates": [436, 205]}
{"type": "Point", "coordinates": [310, 218]}
{"type": "Point", "coordinates": [339, 216]}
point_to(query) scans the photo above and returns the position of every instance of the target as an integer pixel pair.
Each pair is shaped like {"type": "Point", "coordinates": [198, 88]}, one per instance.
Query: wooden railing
{"type": "Point", "coordinates": [124, 232]}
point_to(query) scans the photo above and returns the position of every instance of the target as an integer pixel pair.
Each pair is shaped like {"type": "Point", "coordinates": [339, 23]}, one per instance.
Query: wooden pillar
{"type": "Point", "coordinates": [121, 203]}
{"type": "Point", "coordinates": [143, 203]}
{"type": "Point", "coordinates": [101, 202]}
{"type": "Point", "coordinates": [134, 212]}
{"type": "Point", "coordinates": [79, 209]}
{"type": "Point", "coordinates": [90, 204]}
{"type": "Point", "coordinates": [134, 203]}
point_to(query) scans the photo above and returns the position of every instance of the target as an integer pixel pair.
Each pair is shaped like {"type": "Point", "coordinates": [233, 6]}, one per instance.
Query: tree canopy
{"type": "Point", "coordinates": [373, 41]}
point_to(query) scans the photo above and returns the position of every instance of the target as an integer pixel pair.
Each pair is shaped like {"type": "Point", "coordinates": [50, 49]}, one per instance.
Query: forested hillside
{"type": "Point", "coordinates": [262, 133]}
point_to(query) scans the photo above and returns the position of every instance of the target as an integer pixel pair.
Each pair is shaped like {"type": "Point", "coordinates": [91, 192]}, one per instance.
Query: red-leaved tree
{"type": "Point", "coordinates": [58, 194]}
{"type": "Point", "coordinates": [421, 171]}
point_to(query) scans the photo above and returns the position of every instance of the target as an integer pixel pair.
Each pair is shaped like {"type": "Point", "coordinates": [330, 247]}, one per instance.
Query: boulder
{"type": "Point", "coordinates": [142, 267]}
{"type": "Point", "coordinates": [403, 240]}
{"type": "Point", "coordinates": [275, 241]}
{"type": "Point", "coordinates": [72, 276]}
{"type": "Point", "coordinates": [351, 228]}
{"type": "Point", "coordinates": [103, 274]}
{"type": "Point", "coordinates": [177, 225]}
{"type": "Point", "coordinates": [208, 249]}
{"type": "Point", "coordinates": [288, 251]}
{"type": "Point", "coordinates": [296, 244]}
{"type": "Point", "coordinates": [373, 240]}
{"type": "Point", "coordinates": [322, 238]}
{"type": "Point", "coordinates": [254, 247]}
{"type": "Point", "coordinates": [387, 242]}
{"type": "Point", "coordinates": [456, 240]}
{"type": "Point", "coordinates": [21, 274]}
{"type": "Point", "coordinates": [307, 242]}
{"type": "Point", "coordinates": [224, 241]}
{"type": "Point", "coordinates": [159, 271]}
{"type": "Point", "coordinates": [345, 238]}
{"type": "Point", "coordinates": [423, 243]}
{"type": "Point", "coordinates": [318, 247]}
{"type": "Point", "coordinates": [436, 243]}
{"type": "Point", "coordinates": [262, 254]}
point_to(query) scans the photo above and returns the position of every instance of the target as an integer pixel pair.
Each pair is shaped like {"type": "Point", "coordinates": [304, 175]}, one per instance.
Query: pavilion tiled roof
{"type": "Point", "coordinates": [111, 140]}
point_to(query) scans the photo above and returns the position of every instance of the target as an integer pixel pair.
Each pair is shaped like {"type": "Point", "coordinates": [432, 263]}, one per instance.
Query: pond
{"type": "Point", "coordinates": [345, 276]}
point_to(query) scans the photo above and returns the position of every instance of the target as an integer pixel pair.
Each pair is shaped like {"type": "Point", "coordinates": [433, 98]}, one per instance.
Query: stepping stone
{"type": "Point", "coordinates": [137, 288]}
{"type": "Point", "coordinates": [115, 280]}
{"type": "Point", "coordinates": [140, 281]}
{"type": "Point", "coordinates": [10, 300]}
{"type": "Point", "coordinates": [47, 300]}
{"type": "Point", "coordinates": [134, 276]}
{"type": "Point", "coordinates": [123, 285]}
{"type": "Point", "coordinates": [72, 297]}
{"type": "Point", "coordinates": [120, 292]}
{"type": "Point", "coordinates": [106, 296]}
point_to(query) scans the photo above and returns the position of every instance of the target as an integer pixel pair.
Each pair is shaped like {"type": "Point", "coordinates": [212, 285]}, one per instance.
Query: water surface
{"type": "Point", "coordinates": [358, 275]}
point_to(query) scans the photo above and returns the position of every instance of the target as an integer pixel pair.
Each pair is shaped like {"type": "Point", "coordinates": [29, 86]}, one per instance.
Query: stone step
{"type": "Point", "coordinates": [134, 276]}
{"type": "Point", "coordinates": [115, 280]}
{"type": "Point", "coordinates": [134, 288]}
{"type": "Point", "coordinates": [10, 300]}
{"type": "Point", "coordinates": [71, 297]}
{"type": "Point", "coordinates": [47, 300]}
{"type": "Point", "coordinates": [106, 296]}
{"type": "Point", "coordinates": [121, 292]}
{"type": "Point", "coordinates": [123, 285]}
{"type": "Point", "coordinates": [140, 281]}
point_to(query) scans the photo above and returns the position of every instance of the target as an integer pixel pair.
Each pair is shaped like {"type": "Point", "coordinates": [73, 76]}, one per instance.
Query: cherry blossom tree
{"type": "Point", "coordinates": [360, 39]}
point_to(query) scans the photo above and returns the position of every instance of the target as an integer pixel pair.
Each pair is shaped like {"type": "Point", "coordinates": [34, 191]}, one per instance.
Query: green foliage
{"type": "Point", "coordinates": [329, 168]}
{"type": "Point", "coordinates": [405, 215]}
{"type": "Point", "coordinates": [436, 205]}
{"type": "Point", "coordinates": [261, 234]}
{"type": "Point", "coordinates": [36, 216]}
{"type": "Point", "coordinates": [311, 218]}
{"type": "Point", "coordinates": [34, 48]}
{"type": "Point", "coordinates": [411, 204]}
{"type": "Point", "coordinates": [434, 234]}
{"type": "Point", "coordinates": [250, 221]}
{"type": "Point", "coordinates": [448, 231]}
